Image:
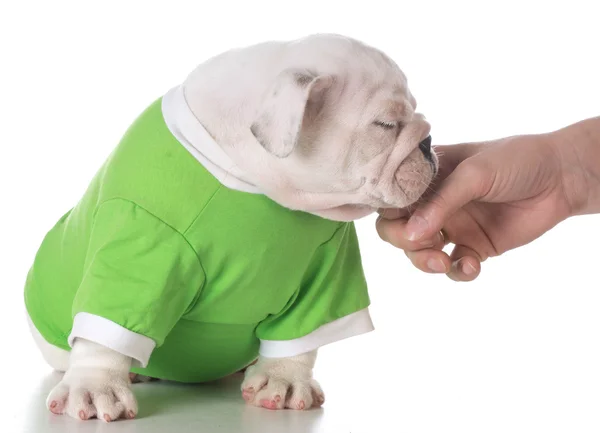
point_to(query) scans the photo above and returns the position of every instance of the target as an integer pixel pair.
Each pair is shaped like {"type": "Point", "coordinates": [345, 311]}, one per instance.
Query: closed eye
{"type": "Point", "coordinates": [386, 125]}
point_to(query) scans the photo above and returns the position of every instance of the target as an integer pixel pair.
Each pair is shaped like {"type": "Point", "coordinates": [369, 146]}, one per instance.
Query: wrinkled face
{"type": "Point", "coordinates": [346, 132]}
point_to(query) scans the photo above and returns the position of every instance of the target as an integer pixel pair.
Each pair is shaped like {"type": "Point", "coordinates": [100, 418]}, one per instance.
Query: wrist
{"type": "Point", "coordinates": [578, 149]}
{"type": "Point", "coordinates": [87, 354]}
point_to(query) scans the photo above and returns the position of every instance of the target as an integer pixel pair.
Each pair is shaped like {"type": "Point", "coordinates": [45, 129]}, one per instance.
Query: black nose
{"type": "Point", "coordinates": [425, 147]}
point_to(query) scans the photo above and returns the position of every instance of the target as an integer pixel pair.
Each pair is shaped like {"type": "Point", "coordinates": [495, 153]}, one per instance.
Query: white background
{"type": "Point", "coordinates": [518, 350]}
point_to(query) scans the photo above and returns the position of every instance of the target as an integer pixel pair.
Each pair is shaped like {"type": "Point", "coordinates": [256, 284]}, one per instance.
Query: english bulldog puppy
{"type": "Point", "coordinates": [220, 231]}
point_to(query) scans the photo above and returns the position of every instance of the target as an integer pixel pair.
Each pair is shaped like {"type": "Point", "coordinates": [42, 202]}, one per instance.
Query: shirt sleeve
{"type": "Point", "coordinates": [331, 304]}
{"type": "Point", "coordinates": [140, 276]}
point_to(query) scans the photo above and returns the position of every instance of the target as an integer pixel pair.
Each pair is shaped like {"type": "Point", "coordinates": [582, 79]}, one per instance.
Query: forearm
{"type": "Point", "coordinates": [87, 354]}
{"type": "Point", "coordinates": [579, 149]}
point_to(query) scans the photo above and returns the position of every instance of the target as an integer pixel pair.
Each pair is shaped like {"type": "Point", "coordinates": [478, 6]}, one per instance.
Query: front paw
{"type": "Point", "coordinates": [86, 393]}
{"type": "Point", "coordinates": [273, 386]}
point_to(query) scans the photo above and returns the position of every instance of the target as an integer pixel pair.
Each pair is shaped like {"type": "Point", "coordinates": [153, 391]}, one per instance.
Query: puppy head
{"type": "Point", "coordinates": [341, 127]}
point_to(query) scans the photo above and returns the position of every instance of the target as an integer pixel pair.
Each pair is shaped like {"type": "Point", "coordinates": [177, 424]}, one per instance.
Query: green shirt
{"type": "Point", "coordinates": [161, 262]}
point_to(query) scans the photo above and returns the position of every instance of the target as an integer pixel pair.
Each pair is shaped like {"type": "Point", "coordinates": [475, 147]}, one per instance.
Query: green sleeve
{"type": "Point", "coordinates": [139, 272]}
{"type": "Point", "coordinates": [333, 288]}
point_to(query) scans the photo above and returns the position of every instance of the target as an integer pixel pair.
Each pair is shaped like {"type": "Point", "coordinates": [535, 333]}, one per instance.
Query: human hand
{"type": "Point", "coordinates": [488, 198]}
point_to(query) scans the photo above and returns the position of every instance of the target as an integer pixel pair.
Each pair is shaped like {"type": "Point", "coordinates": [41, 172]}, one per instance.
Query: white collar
{"type": "Point", "coordinates": [188, 130]}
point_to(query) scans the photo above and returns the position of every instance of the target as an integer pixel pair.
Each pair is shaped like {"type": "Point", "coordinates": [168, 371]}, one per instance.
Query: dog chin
{"type": "Point", "coordinates": [346, 213]}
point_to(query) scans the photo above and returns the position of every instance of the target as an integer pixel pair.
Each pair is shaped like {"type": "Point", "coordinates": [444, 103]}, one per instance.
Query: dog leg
{"type": "Point", "coordinates": [279, 383]}
{"type": "Point", "coordinates": [96, 384]}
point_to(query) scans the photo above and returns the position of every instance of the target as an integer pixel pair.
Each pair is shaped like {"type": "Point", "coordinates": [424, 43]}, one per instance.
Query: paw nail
{"type": "Point", "coordinates": [107, 417]}
{"type": "Point", "coordinates": [82, 415]}
{"type": "Point", "coordinates": [53, 405]}
{"type": "Point", "coordinates": [277, 399]}
{"type": "Point", "coordinates": [130, 414]}
{"type": "Point", "coordinates": [301, 405]}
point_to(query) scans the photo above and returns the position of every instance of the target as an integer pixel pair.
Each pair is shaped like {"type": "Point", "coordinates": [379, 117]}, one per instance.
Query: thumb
{"type": "Point", "coordinates": [466, 183]}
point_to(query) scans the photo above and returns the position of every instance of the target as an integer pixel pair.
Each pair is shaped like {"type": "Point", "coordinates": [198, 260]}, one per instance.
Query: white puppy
{"type": "Point", "coordinates": [324, 126]}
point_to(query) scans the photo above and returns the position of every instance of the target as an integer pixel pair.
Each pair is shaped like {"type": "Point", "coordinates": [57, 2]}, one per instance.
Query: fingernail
{"type": "Point", "coordinates": [416, 228]}
{"type": "Point", "coordinates": [436, 265]}
{"type": "Point", "coordinates": [467, 268]}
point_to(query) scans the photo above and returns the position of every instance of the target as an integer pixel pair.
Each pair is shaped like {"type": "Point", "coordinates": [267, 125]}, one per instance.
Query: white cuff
{"type": "Point", "coordinates": [109, 334]}
{"type": "Point", "coordinates": [340, 329]}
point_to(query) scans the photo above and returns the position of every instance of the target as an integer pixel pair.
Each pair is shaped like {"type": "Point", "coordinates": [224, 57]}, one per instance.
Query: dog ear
{"type": "Point", "coordinates": [295, 97]}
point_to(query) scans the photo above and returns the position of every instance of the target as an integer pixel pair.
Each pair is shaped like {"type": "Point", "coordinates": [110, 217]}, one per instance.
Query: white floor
{"type": "Point", "coordinates": [178, 408]}
{"type": "Point", "coordinates": [166, 407]}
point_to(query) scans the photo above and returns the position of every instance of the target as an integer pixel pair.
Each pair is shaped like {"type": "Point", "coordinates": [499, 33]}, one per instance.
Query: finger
{"type": "Point", "coordinates": [449, 157]}
{"type": "Point", "coordinates": [466, 264]}
{"type": "Point", "coordinates": [126, 396]}
{"type": "Point", "coordinates": [468, 182]}
{"type": "Point", "coordinates": [394, 232]}
{"type": "Point", "coordinates": [452, 155]}
{"type": "Point", "coordinates": [430, 261]}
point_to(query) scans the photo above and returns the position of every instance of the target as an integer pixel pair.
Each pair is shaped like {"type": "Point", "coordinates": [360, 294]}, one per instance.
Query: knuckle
{"type": "Point", "coordinates": [473, 168]}
{"type": "Point", "coordinates": [479, 173]}
{"type": "Point", "coordinates": [438, 205]}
